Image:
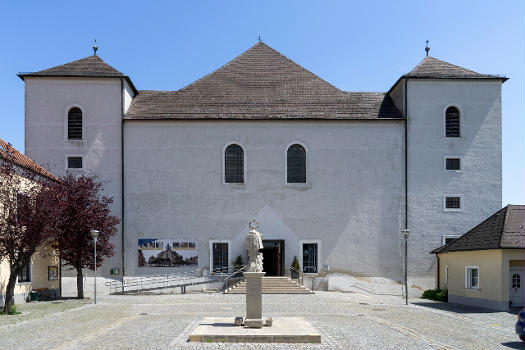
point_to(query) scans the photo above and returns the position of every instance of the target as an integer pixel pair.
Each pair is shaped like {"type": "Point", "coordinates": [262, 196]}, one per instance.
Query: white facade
{"type": "Point", "coordinates": [352, 204]}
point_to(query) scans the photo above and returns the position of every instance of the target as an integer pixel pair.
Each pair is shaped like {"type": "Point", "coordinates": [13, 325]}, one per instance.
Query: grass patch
{"type": "Point", "coordinates": [436, 294]}
{"type": "Point", "coordinates": [11, 311]}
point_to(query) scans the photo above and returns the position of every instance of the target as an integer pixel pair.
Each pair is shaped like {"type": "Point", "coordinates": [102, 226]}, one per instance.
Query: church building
{"type": "Point", "coordinates": [331, 176]}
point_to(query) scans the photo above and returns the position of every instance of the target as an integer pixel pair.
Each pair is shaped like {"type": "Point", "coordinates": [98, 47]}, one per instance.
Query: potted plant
{"type": "Point", "coordinates": [238, 263]}
{"type": "Point", "coordinates": [295, 268]}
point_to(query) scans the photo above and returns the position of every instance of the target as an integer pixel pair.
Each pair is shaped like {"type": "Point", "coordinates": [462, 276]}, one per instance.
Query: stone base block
{"type": "Point", "coordinates": [283, 330]}
{"type": "Point", "coordinates": [253, 323]}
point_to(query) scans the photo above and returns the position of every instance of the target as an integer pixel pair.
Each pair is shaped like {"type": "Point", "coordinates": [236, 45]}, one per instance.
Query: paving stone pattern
{"type": "Point", "coordinates": [345, 321]}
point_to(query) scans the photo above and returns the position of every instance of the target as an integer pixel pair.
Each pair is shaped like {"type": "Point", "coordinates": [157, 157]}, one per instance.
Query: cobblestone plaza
{"type": "Point", "coordinates": [345, 321]}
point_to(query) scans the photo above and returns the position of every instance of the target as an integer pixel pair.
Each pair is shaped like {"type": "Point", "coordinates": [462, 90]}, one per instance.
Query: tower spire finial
{"type": "Point", "coordinates": [427, 48]}
{"type": "Point", "coordinates": [95, 48]}
{"type": "Point", "coordinates": [259, 38]}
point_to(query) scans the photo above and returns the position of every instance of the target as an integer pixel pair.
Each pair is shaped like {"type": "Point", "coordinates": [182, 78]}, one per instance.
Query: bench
{"type": "Point", "coordinates": [47, 294]}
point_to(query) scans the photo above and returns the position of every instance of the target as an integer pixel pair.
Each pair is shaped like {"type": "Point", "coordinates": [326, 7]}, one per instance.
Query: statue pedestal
{"type": "Point", "coordinates": [254, 299]}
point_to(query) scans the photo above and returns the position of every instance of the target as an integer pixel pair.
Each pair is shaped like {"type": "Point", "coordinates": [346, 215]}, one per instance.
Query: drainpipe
{"type": "Point", "coordinates": [122, 179]}
{"type": "Point", "coordinates": [406, 153]}
{"type": "Point", "coordinates": [406, 186]}
{"type": "Point", "coordinates": [438, 284]}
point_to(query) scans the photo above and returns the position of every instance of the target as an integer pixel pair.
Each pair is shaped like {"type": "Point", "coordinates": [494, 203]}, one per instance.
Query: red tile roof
{"type": "Point", "coordinates": [10, 153]}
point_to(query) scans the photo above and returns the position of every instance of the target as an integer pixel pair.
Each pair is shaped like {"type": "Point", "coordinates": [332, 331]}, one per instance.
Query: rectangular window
{"type": "Point", "coordinates": [74, 162]}
{"type": "Point", "coordinates": [452, 164]}
{"type": "Point", "coordinates": [472, 277]}
{"type": "Point", "coordinates": [25, 274]}
{"type": "Point", "coordinates": [453, 202]}
{"type": "Point", "coordinates": [310, 258]}
{"type": "Point", "coordinates": [446, 274]}
{"type": "Point", "coordinates": [449, 239]}
{"type": "Point", "coordinates": [220, 257]}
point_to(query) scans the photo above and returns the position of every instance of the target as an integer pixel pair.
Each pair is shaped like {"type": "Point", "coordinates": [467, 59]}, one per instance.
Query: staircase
{"type": "Point", "coordinates": [273, 285]}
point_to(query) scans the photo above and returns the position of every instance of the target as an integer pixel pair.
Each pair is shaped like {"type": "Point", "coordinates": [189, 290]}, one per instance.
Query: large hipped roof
{"type": "Point", "coordinates": [261, 84]}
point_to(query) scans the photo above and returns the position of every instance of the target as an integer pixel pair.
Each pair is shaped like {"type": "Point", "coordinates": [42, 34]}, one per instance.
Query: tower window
{"type": "Point", "coordinates": [74, 162]}
{"type": "Point", "coordinates": [452, 122]}
{"type": "Point", "coordinates": [296, 164]}
{"type": "Point", "coordinates": [234, 164]}
{"type": "Point", "coordinates": [74, 124]}
{"type": "Point", "coordinates": [452, 164]}
{"type": "Point", "coordinates": [453, 203]}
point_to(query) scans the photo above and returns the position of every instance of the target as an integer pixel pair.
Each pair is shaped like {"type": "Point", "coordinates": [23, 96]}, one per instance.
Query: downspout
{"type": "Point", "coordinates": [406, 153]}
{"type": "Point", "coordinates": [122, 179]}
{"type": "Point", "coordinates": [438, 270]}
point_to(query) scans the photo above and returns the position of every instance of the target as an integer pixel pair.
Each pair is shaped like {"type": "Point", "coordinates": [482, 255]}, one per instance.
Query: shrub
{"type": "Point", "coordinates": [436, 294]}
{"type": "Point", "coordinates": [238, 263]}
{"type": "Point", "coordinates": [295, 263]}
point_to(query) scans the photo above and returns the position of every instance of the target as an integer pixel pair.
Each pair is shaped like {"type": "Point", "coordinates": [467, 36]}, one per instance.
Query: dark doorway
{"type": "Point", "coordinates": [273, 257]}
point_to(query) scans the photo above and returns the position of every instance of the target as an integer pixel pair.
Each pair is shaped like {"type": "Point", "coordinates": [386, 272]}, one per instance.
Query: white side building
{"type": "Point", "coordinates": [324, 171]}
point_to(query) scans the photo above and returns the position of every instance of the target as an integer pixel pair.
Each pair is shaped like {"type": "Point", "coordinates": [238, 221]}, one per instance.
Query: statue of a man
{"type": "Point", "coordinates": [253, 244]}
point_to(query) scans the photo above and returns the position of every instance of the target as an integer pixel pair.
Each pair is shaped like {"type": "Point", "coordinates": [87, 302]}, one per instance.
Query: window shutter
{"type": "Point", "coordinates": [296, 164]}
{"type": "Point", "coordinates": [452, 122]}
{"type": "Point", "coordinates": [74, 124]}
{"type": "Point", "coordinates": [234, 164]}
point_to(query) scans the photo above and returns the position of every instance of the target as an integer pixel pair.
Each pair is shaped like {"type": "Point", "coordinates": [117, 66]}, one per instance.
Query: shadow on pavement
{"type": "Point", "coordinates": [514, 345]}
{"type": "Point", "coordinates": [460, 309]}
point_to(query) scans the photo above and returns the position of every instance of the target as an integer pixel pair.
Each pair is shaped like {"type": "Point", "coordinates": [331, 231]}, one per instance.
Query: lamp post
{"type": "Point", "coordinates": [406, 233]}
{"type": "Point", "coordinates": [94, 234]}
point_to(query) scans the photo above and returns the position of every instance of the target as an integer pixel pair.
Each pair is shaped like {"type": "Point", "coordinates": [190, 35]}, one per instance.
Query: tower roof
{"type": "Point", "coordinates": [432, 68]}
{"type": "Point", "coordinates": [88, 67]}
{"type": "Point", "coordinates": [261, 83]}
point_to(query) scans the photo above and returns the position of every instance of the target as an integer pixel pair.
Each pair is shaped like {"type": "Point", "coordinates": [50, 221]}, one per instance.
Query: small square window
{"type": "Point", "coordinates": [74, 162]}
{"type": "Point", "coordinates": [472, 277]}
{"type": "Point", "coordinates": [452, 164]}
{"type": "Point", "coordinates": [453, 203]}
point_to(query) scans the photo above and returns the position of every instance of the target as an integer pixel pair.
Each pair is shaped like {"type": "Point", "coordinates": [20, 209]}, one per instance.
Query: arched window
{"type": "Point", "coordinates": [74, 124]}
{"type": "Point", "coordinates": [296, 164]}
{"type": "Point", "coordinates": [234, 164]}
{"type": "Point", "coordinates": [452, 122]}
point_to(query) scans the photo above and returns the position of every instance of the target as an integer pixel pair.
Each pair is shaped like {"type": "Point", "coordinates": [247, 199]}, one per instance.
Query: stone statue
{"type": "Point", "coordinates": [253, 244]}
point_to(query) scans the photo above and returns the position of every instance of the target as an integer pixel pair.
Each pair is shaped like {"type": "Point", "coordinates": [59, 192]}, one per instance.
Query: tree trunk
{"type": "Point", "coordinates": [80, 284]}
{"type": "Point", "coordinates": [10, 291]}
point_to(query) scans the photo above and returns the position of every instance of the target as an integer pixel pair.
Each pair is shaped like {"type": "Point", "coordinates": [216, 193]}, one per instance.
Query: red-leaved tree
{"type": "Point", "coordinates": [25, 209]}
{"type": "Point", "coordinates": [80, 207]}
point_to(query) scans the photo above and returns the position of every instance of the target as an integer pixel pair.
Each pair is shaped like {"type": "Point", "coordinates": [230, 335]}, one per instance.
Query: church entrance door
{"type": "Point", "coordinates": [273, 257]}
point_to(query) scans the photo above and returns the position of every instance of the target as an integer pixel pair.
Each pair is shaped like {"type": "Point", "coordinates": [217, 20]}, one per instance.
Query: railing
{"type": "Point", "coordinates": [292, 272]}
{"type": "Point", "coordinates": [236, 274]}
{"type": "Point", "coordinates": [142, 283]}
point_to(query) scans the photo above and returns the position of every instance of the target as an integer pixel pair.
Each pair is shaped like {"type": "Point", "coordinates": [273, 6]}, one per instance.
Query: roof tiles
{"type": "Point", "coordinates": [504, 229]}
{"type": "Point", "coordinates": [261, 84]}
{"type": "Point", "coordinates": [10, 153]}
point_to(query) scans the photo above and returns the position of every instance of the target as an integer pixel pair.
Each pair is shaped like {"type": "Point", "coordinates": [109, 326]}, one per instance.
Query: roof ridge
{"type": "Point", "coordinates": [450, 64]}
{"type": "Point", "coordinates": [506, 208]}
{"type": "Point", "coordinates": [260, 43]}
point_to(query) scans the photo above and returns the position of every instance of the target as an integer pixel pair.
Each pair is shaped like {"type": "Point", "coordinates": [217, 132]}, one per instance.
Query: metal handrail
{"type": "Point", "coordinates": [301, 275]}
{"type": "Point", "coordinates": [148, 281]}
{"type": "Point", "coordinates": [236, 272]}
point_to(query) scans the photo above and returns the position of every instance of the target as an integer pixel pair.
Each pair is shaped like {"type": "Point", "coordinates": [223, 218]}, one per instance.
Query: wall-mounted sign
{"type": "Point", "coordinates": [167, 252]}
{"type": "Point", "coordinates": [52, 273]}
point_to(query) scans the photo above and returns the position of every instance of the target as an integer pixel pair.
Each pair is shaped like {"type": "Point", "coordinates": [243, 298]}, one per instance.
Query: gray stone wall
{"type": "Point", "coordinates": [479, 181]}
{"type": "Point", "coordinates": [47, 102]}
{"type": "Point", "coordinates": [350, 204]}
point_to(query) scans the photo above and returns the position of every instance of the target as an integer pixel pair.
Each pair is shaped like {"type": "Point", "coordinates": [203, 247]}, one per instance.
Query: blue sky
{"type": "Point", "coordinates": [355, 45]}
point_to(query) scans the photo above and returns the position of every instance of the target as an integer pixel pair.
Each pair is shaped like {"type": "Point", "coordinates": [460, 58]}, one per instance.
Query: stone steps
{"type": "Point", "coordinates": [273, 285]}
